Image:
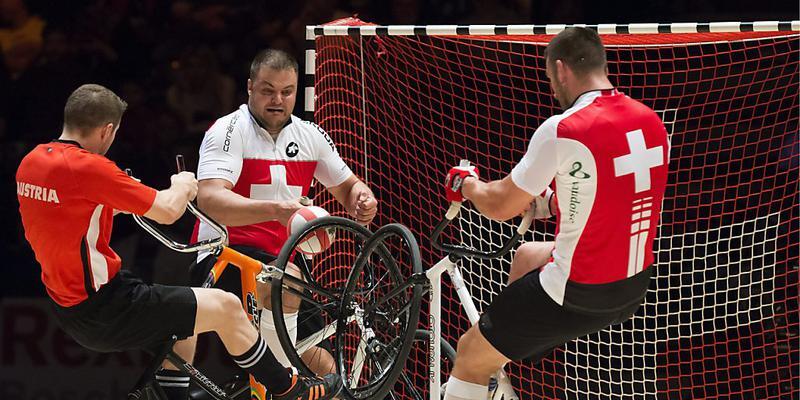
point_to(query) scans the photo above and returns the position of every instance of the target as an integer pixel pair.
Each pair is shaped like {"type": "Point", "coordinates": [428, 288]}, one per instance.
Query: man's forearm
{"type": "Point", "coordinates": [484, 196]}
{"type": "Point", "coordinates": [231, 209]}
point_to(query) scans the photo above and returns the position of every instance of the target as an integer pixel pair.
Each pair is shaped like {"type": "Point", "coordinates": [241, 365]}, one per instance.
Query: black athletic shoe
{"type": "Point", "coordinates": [311, 387]}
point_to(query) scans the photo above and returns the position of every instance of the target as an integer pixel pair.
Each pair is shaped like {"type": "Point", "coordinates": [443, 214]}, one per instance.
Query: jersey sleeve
{"type": "Point", "coordinates": [331, 170]}
{"type": "Point", "coordinates": [538, 166]}
{"type": "Point", "coordinates": [221, 152]}
{"type": "Point", "coordinates": [102, 182]}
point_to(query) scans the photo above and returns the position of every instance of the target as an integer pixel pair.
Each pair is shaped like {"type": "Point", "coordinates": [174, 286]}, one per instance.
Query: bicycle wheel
{"type": "Point", "coordinates": [380, 311]}
{"type": "Point", "coordinates": [321, 289]}
{"type": "Point", "coordinates": [414, 379]}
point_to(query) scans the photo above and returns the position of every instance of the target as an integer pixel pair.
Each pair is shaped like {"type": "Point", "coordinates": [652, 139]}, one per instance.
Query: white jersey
{"type": "Point", "coordinates": [609, 157]}
{"type": "Point", "coordinates": [237, 149]}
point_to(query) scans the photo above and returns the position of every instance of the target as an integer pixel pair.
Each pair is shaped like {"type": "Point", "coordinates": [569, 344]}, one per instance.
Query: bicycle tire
{"type": "Point", "coordinates": [384, 353]}
{"type": "Point", "coordinates": [276, 297]}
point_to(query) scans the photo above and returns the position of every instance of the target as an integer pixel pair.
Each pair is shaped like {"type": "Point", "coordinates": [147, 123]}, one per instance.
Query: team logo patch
{"type": "Point", "coordinates": [577, 172]}
{"type": "Point", "coordinates": [292, 149]}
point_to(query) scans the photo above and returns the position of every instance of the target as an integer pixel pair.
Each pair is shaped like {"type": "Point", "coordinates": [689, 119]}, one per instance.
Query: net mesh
{"type": "Point", "coordinates": [721, 318]}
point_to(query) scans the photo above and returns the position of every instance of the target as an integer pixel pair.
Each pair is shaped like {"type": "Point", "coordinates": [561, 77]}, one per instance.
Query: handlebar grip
{"type": "Point", "coordinates": [208, 244]}
{"type": "Point", "coordinates": [462, 251]}
{"type": "Point", "coordinates": [180, 163]}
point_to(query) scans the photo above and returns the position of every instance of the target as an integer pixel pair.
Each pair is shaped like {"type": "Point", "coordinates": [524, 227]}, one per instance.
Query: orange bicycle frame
{"type": "Point", "coordinates": [248, 268]}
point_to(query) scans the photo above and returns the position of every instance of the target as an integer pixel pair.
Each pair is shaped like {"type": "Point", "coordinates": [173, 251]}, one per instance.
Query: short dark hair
{"type": "Point", "coordinates": [578, 47]}
{"type": "Point", "coordinates": [272, 58]}
{"type": "Point", "coordinates": [91, 106]}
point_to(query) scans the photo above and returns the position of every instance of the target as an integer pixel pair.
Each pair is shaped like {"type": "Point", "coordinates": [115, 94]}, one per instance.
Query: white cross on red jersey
{"type": "Point", "coordinates": [236, 148]}
{"type": "Point", "coordinates": [609, 156]}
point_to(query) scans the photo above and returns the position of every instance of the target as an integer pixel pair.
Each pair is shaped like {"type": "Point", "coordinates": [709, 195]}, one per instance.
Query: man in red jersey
{"type": "Point", "coordinates": [68, 193]}
{"type": "Point", "coordinates": [255, 164]}
{"type": "Point", "coordinates": [608, 155]}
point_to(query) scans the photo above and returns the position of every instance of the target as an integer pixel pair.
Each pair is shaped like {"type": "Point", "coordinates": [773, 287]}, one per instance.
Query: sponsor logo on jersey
{"type": "Point", "coordinates": [226, 146]}
{"type": "Point", "coordinates": [292, 149]}
{"type": "Point", "coordinates": [40, 193]}
{"type": "Point", "coordinates": [324, 134]}
{"type": "Point", "coordinates": [574, 190]}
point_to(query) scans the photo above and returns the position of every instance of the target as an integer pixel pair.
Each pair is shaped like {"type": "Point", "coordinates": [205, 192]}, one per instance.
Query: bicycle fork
{"type": "Point", "coordinates": [504, 390]}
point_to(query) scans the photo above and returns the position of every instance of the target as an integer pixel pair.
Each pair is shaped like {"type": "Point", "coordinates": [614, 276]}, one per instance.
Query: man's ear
{"type": "Point", "coordinates": [562, 70]}
{"type": "Point", "coordinates": [249, 86]}
{"type": "Point", "coordinates": [107, 130]}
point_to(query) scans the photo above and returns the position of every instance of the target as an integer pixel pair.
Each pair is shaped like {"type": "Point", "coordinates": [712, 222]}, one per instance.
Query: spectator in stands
{"type": "Point", "coordinates": [200, 91]}
{"type": "Point", "coordinates": [20, 36]}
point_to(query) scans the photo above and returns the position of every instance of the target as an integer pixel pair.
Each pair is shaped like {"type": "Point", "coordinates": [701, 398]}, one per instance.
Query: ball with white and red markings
{"type": "Point", "coordinates": [317, 241]}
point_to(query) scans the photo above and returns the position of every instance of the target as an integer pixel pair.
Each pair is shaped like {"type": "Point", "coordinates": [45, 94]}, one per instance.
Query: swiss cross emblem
{"type": "Point", "coordinates": [639, 161]}
{"type": "Point", "coordinates": [292, 149]}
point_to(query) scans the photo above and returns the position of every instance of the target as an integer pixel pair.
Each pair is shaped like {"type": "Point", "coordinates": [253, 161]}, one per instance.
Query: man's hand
{"type": "Point", "coordinates": [365, 208]}
{"type": "Point", "coordinates": [455, 180]}
{"type": "Point", "coordinates": [187, 181]}
{"type": "Point", "coordinates": [285, 209]}
{"type": "Point", "coordinates": [541, 205]}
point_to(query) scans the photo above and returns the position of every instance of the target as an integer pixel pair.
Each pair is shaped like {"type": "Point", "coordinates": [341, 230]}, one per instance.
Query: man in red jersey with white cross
{"type": "Point", "coordinates": [255, 164]}
{"type": "Point", "coordinates": [68, 194]}
{"type": "Point", "coordinates": [608, 155]}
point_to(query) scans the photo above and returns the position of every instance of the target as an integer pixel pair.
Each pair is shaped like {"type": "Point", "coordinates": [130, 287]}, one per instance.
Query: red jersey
{"type": "Point", "coordinates": [609, 156]}
{"type": "Point", "coordinates": [237, 149]}
{"type": "Point", "coordinates": [67, 197]}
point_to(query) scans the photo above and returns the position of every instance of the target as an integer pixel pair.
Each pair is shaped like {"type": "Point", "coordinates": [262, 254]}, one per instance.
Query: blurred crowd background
{"type": "Point", "coordinates": [182, 64]}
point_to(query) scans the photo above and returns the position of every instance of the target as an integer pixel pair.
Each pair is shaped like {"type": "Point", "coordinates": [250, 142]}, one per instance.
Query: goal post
{"type": "Point", "coordinates": [404, 103]}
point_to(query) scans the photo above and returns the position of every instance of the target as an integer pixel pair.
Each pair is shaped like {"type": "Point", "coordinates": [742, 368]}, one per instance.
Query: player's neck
{"type": "Point", "coordinates": [589, 84]}
{"type": "Point", "coordinates": [86, 142]}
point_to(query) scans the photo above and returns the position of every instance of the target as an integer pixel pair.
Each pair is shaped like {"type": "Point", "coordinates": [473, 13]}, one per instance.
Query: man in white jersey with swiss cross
{"type": "Point", "coordinates": [255, 164]}
{"type": "Point", "coordinates": [608, 156]}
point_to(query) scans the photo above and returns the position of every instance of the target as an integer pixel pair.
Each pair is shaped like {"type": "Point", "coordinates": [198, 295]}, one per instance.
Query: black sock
{"type": "Point", "coordinates": [261, 363]}
{"type": "Point", "coordinates": [174, 383]}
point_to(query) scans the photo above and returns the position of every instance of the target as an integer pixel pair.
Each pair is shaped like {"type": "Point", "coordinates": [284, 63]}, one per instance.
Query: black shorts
{"type": "Point", "coordinates": [309, 321]}
{"type": "Point", "coordinates": [524, 322]}
{"type": "Point", "coordinates": [127, 314]}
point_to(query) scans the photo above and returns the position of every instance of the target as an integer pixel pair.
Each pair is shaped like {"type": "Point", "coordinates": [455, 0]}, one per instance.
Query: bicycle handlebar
{"type": "Point", "coordinates": [464, 251]}
{"type": "Point", "coordinates": [208, 244]}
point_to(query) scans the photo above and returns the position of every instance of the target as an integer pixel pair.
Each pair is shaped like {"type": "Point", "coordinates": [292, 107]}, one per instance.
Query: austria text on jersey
{"type": "Point", "coordinates": [35, 192]}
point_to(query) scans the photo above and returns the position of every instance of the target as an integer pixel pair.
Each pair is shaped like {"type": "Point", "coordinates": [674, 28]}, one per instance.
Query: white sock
{"type": "Point", "coordinates": [462, 390]}
{"type": "Point", "coordinates": [268, 333]}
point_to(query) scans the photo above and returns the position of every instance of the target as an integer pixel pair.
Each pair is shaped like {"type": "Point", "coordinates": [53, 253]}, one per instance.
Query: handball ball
{"type": "Point", "coordinates": [314, 242]}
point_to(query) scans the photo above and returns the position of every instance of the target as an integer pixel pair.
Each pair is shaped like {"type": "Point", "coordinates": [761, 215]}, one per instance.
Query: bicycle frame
{"type": "Point", "coordinates": [251, 270]}
{"type": "Point", "coordinates": [217, 246]}
{"type": "Point", "coordinates": [449, 264]}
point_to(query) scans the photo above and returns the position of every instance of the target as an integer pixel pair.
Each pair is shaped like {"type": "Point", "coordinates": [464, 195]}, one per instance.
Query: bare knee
{"type": "Point", "coordinates": [529, 257]}
{"type": "Point", "coordinates": [217, 310]}
{"type": "Point", "coordinates": [229, 306]}
{"type": "Point", "coordinates": [476, 360]}
{"type": "Point", "coordinates": [291, 302]}
{"type": "Point", "coordinates": [465, 344]}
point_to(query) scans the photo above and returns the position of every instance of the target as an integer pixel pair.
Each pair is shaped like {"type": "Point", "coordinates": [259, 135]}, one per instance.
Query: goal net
{"type": "Point", "coordinates": [405, 103]}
